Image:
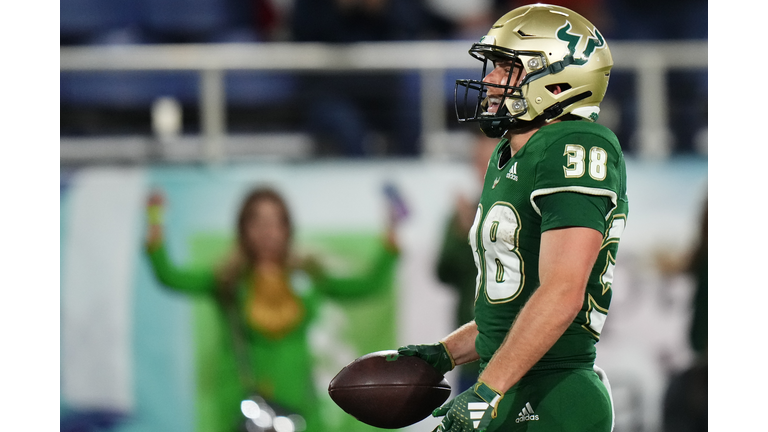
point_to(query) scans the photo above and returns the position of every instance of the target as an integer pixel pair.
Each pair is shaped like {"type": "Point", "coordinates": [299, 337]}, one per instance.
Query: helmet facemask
{"type": "Point", "coordinates": [513, 103]}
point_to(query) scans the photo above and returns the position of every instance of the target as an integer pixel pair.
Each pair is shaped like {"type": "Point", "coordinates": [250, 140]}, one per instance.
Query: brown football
{"type": "Point", "coordinates": [387, 390]}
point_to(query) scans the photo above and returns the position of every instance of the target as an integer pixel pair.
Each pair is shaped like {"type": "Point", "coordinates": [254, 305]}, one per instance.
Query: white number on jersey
{"type": "Point", "coordinates": [575, 162]}
{"type": "Point", "coordinates": [497, 257]}
{"type": "Point", "coordinates": [596, 315]}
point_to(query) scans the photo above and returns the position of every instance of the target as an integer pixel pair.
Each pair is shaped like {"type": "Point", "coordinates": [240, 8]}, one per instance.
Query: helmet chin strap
{"type": "Point", "coordinates": [497, 125]}
{"type": "Point", "coordinates": [556, 109]}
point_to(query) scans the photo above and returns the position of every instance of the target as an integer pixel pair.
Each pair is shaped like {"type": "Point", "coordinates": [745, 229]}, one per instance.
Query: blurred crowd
{"type": "Point", "coordinates": [344, 113]}
{"type": "Point", "coordinates": [208, 21]}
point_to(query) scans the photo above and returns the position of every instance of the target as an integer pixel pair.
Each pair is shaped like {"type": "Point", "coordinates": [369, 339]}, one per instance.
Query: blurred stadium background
{"type": "Point", "coordinates": [328, 101]}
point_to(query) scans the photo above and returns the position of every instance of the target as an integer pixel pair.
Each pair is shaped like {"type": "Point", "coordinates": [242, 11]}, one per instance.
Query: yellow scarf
{"type": "Point", "coordinates": [271, 307]}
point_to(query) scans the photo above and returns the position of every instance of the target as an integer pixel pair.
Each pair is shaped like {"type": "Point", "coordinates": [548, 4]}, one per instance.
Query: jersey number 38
{"type": "Point", "coordinates": [497, 256]}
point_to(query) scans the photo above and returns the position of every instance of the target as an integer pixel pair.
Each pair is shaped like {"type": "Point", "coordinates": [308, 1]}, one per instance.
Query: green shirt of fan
{"type": "Point", "coordinates": [279, 368]}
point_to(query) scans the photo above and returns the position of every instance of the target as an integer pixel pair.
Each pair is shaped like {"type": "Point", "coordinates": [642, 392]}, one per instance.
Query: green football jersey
{"type": "Point", "coordinates": [559, 162]}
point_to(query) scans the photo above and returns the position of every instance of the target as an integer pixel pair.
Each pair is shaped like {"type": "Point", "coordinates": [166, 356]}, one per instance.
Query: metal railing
{"type": "Point", "coordinates": [648, 60]}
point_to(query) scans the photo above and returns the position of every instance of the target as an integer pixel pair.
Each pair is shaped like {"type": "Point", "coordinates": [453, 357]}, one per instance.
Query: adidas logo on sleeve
{"type": "Point", "coordinates": [526, 414]}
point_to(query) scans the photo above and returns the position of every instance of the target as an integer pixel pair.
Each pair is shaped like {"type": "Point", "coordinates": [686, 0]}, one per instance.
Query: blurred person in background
{"type": "Point", "coordinates": [456, 264]}
{"type": "Point", "coordinates": [699, 268]}
{"type": "Point", "coordinates": [685, 401]}
{"type": "Point", "coordinates": [546, 232]}
{"type": "Point", "coordinates": [348, 21]}
{"type": "Point", "coordinates": [262, 301]}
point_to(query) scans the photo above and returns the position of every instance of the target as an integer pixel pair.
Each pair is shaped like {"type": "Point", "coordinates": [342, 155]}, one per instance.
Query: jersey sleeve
{"type": "Point", "coordinates": [582, 163]}
{"type": "Point", "coordinates": [557, 211]}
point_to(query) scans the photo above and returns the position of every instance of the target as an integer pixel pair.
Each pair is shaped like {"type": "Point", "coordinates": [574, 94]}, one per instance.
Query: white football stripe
{"type": "Point", "coordinates": [476, 414]}
{"type": "Point", "coordinates": [597, 320]}
{"type": "Point", "coordinates": [617, 228]}
{"type": "Point", "coordinates": [476, 423]}
{"type": "Point", "coordinates": [473, 406]}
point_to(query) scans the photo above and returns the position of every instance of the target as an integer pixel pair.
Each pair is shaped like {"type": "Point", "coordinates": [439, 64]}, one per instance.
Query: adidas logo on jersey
{"type": "Point", "coordinates": [526, 414]}
{"type": "Point", "coordinates": [512, 174]}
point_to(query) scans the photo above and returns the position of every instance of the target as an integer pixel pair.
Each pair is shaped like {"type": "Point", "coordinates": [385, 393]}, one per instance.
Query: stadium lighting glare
{"type": "Point", "coordinates": [299, 423]}
{"type": "Point", "coordinates": [263, 420]}
{"type": "Point", "coordinates": [283, 424]}
{"type": "Point", "coordinates": [250, 409]}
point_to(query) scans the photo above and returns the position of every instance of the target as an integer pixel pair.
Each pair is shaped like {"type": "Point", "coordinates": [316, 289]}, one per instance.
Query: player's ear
{"type": "Point", "coordinates": [555, 88]}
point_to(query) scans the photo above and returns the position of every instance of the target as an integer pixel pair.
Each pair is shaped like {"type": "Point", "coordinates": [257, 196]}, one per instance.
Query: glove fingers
{"type": "Point", "coordinates": [440, 411]}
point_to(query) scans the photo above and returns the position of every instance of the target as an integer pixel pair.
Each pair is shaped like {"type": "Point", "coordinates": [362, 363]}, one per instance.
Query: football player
{"type": "Point", "coordinates": [545, 234]}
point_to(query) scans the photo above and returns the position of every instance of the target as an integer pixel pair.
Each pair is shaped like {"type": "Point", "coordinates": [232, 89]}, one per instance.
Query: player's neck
{"type": "Point", "coordinates": [517, 139]}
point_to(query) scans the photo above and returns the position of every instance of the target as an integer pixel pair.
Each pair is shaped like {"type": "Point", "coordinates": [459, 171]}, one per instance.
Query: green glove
{"type": "Point", "coordinates": [471, 411]}
{"type": "Point", "coordinates": [436, 355]}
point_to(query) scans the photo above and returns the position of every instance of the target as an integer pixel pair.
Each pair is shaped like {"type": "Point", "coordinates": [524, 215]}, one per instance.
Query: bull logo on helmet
{"type": "Point", "coordinates": [573, 41]}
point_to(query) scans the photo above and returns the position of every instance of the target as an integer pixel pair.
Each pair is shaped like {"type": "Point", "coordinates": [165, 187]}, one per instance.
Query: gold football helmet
{"type": "Point", "coordinates": [566, 61]}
